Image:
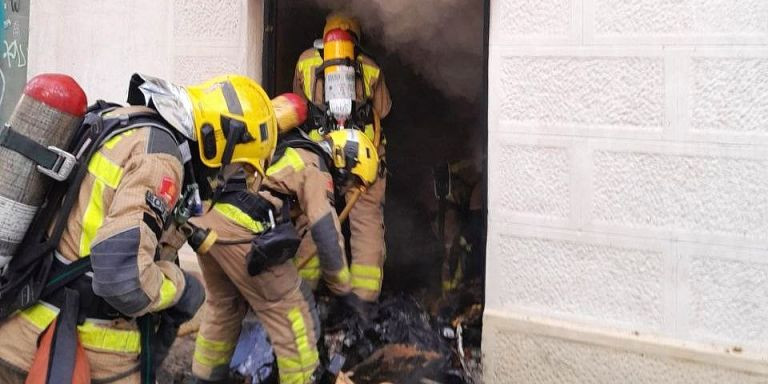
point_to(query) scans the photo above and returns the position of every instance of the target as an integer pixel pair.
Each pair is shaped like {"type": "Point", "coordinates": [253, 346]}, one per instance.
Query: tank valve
{"type": "Point", "coordinates": [201, 240]}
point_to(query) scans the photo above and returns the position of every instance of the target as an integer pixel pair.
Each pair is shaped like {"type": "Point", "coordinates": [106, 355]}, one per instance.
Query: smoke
{"type": "Point", "coordinates": [441, 40]}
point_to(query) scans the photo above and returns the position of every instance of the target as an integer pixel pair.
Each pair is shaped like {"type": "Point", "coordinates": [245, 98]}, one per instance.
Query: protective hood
{"type": "Point", "coordinates": [168, 99]}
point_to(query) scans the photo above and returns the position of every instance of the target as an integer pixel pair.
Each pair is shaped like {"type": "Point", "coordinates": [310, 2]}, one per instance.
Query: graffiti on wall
{"type": "Point", "coordinates": [13, 62]}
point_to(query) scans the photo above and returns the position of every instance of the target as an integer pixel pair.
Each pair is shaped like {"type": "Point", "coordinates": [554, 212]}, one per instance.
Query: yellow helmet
{"type": "Point", "coordinates": [234, 122]}
{"type": "Point", "coordinates": [340, 20]}
{"type": "Point", "coordinates": [353, 153]}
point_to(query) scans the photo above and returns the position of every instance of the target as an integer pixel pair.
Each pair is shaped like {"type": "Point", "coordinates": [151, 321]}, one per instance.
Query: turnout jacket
{"type": "Point", "coordinates": [132, 184]}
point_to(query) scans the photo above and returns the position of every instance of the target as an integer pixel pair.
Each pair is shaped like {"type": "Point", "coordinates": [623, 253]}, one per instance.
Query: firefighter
{"type": "Point", "coordinates": [298, 188]}
{"type": "Point", "coordinates": [125, 224]}
{"type": "Point", "coordinates": [314, 72]}
{"type": "Point", "coordinates": [456, 211]}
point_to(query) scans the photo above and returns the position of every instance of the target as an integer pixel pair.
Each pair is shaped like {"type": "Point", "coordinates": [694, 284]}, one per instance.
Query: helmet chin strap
{"type": "Point", "coordinates": [234, 136]}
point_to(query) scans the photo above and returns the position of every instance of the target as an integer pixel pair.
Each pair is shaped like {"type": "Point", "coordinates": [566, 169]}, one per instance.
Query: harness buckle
{"type": "Point", "coordinates": [63, 166]}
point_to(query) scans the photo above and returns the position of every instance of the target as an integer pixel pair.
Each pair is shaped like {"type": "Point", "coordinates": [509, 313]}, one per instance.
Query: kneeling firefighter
{"type": "Point", "coordinates": [261, 227]}
{"type": "Point", "coordinates": [110, 302]}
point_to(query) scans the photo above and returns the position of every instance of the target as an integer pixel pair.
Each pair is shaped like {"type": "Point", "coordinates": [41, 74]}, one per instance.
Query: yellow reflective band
{"type": "Point", "coordinates": [241, 218]}
{"type": "Point", "coordinates": [308, 355]}
{"type": "Point", "coordinates": [293, 364]}
{"type": "Point", "coordinates": [96, 337]}
{"type": "Point", "coordinates": [113, 141]}
{"type": "Point", "coordinates": [212, 353]}
{"type": "Point", "coordinates": [212, 345]}
{"type": "Point", "coordinates": [369, 132]}
{"type": "Point", "coordinates": [290, 371]}
{"type": "Point", "coordinates": [106, 173]}
{"type": "Point", "coordinates": [105, 170]}
{"type": "Point", "coordinates": [314, 262]}
{"type": "Point", "coordinates": [93, 218]}
{"type": "Point", "coordinates": [211, 362]}
{"type": "Point", "coordinates": [291, 378]}
{"type": "Point", "coordinates": [368, 271]}
{"type": "Point", "coordinates": [307, 68]}
{"type": "Point", "coordinates": [167, 294]}
{"type": "Point", "coordinates": [290, 158]}
{"type": "Point", "coordinates": [315, 135]}
{"type": "Point", "coordinates": [370, 74]}
{"type": "Point", "coordinates": [363, 283]}
{"type": "Point", "coordinates": [310, 274]}
{"type": "Point", "coordinates": [41, 315]}
{"type": "Point", "coordinates": [343, 276]}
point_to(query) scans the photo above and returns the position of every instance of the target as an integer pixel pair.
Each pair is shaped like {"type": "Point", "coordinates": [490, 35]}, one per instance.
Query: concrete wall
{"type": "Point", "coordinates": [628, 192]}
{"type": "Point", "coordinates": [102, 42]}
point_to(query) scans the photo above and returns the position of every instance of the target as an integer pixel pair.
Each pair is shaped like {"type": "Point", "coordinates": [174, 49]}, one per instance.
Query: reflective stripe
{"type": "Point", "coordinates": [113, 141]}
{"type": "Point", "coordinates": [96, 337]}
{"type": "Point", "coordinates": [342, 277]}
{"type": "Point", "coordinates": [167, 294]}
{"type": "Point", "coordinates": [298, 369]}
{"type": "Point", "coordinates": [311, 270]}
{"type": "Point", "coordinates": [310, 274]}
{"type": "Point", "coordinates": [315, 135]}
{"type": "Point", "coordinates": [211, 362]}
{"type": "Point", "coordinates": [368, 271]}
{"type": "Point", "coordinates": [369, 132]}
{"type": "Point", "coordinates": [363, 283]}
{"type": "Point", "coordinates": [105, 170]}
{"type": "Point", "coordinates": [105, 173]}
{"type": "Point", "coordinates": [41, 315]}
{"type": "Point", "coordinates": [299, 377]}
{"type": "Point", "coordinates": [93, 336]}
{"type": "Point", "coordinates": [307, 68]}
{"type": "Point", "coordinates": [366, 277]}
{"type": "Point", "coordinates": [314, 262]}
{"type": "Point", "coordinates": [290, 158]}
{"type": "Point", "coordinates": [453, 283]}
{"type": "Point", "coordinates": [242, 219]}
{"type": "Point", "coordinates": [370, 74]}
{"type": "Point", "coordinates": [93, 218]}
{"type": "Point", "coordinates": [212, 353]}
{"type": "Point", "coordinates": [212, 345]}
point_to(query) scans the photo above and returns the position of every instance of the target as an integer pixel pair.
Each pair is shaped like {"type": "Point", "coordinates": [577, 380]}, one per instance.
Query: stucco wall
{"type": "Point", "coordinates": [628, 188]}
{"type": "Point", "coordinates": [102, 42]}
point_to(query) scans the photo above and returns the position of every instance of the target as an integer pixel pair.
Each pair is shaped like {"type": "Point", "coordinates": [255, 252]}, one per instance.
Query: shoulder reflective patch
{"type": "Point", "coordinates": [105, 170]}
{"type": "Point", "coordinates": [290, 158]}
{"type": "Point", "coordinates": [306, 69]}
{"type": "Point", "coordinates": [113, 141]}
{"type": "Point", "coordinates": [160, 141]}
{"type": "Point", "coordinates": [370, 74]}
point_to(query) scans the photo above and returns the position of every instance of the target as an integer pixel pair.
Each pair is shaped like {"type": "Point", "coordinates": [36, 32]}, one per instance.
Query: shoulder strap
{"type": "Point", "coordinates": [298, 139]}
{"type": "Point", "coordinates": [97, 128]}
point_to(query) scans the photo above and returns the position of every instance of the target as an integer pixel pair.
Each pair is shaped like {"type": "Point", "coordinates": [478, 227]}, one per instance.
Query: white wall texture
{"type": "Point", "coordinates": [628, 192]}
{"type": "Point", "coordinates": [102, 42]}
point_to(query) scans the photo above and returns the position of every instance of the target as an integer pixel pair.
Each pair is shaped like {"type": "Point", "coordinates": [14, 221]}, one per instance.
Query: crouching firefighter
{"type": "Point", "coordinates": [112, 293]}
{"type": "Point", "coordinates": [260, 226]}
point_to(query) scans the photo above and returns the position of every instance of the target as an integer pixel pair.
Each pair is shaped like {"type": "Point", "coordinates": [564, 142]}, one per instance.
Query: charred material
{"type": "Point", "coordinates": [401, 342]}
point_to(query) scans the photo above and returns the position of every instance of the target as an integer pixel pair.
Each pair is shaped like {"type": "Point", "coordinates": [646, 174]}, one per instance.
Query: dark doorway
{"type": "Point", "coordinates": [431, 123]}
